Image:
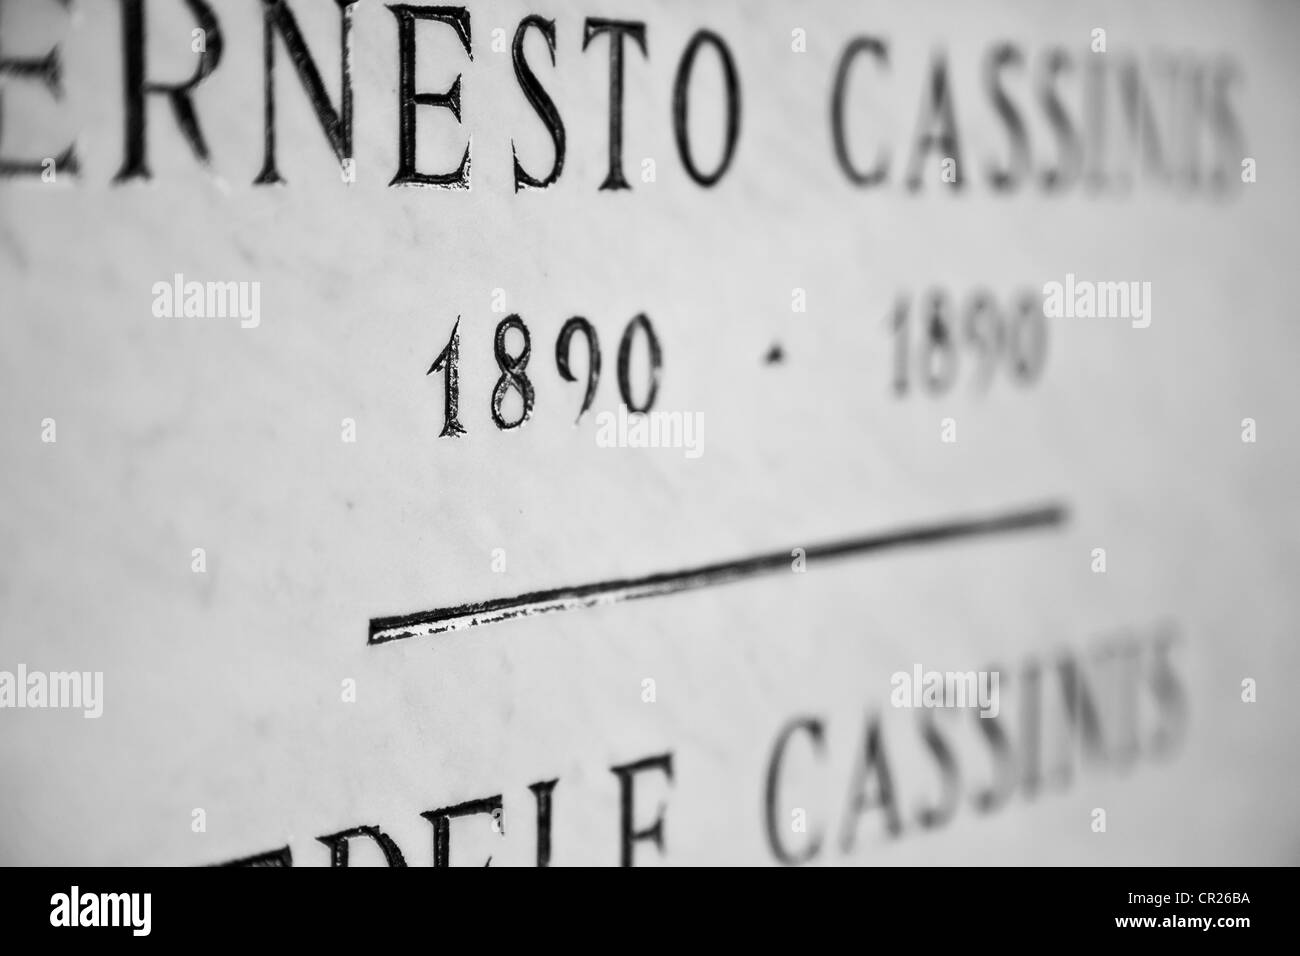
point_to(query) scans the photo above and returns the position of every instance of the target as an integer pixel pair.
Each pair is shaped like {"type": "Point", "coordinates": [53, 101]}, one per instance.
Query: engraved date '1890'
{"type": "Point", "coordinates": [513, 364]}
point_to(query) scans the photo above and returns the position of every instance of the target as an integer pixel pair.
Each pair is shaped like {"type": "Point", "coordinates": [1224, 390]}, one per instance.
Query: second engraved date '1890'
{"type": "Point", "coordinates": [931, 349]}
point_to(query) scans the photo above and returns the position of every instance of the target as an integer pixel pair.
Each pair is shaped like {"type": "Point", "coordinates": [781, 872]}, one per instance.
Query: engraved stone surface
{"type": "Point", "coordinates": [850, 495]}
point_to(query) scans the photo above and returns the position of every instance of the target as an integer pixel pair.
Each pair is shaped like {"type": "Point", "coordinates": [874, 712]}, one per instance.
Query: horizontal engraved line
{"type": "Point", "coordinates": [456, 617]}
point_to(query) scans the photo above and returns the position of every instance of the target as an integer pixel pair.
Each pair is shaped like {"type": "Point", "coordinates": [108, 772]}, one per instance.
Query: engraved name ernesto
{"type": "Point", "coordinates": [1065, 116]}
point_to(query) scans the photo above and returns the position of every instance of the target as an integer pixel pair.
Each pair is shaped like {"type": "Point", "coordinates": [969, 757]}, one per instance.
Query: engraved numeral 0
{"type": "Point", "coordinates": [1028, 339]}
{"type": "Point", "coordinates": [625, 360]}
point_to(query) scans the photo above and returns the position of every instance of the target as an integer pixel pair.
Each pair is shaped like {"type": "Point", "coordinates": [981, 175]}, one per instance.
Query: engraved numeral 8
{"type": "Point", "coordinates": [512, 373]}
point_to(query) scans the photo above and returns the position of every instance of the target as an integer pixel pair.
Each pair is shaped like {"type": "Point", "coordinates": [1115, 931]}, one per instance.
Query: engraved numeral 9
{"type": "Point", "coordinates": [579, 324]}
